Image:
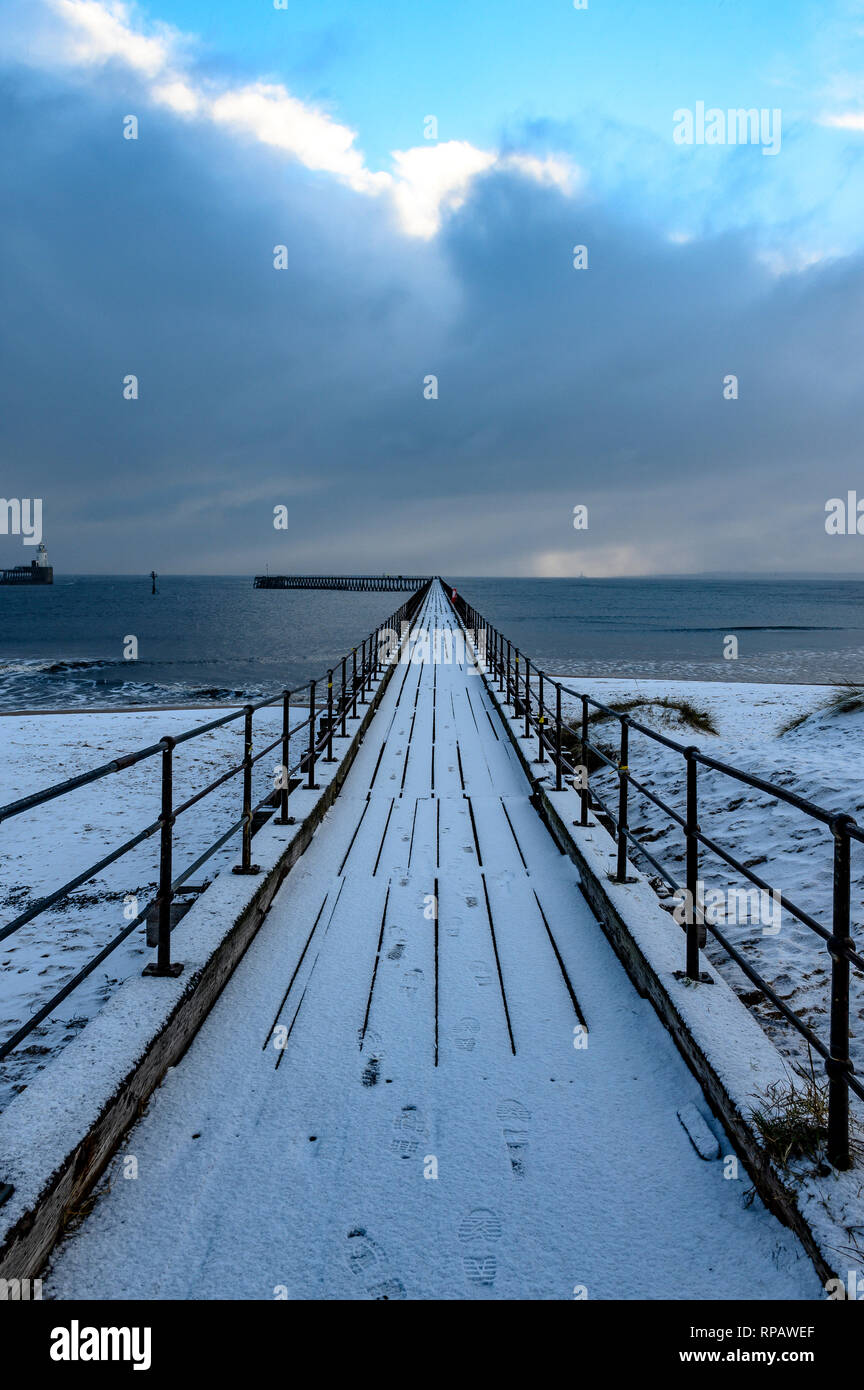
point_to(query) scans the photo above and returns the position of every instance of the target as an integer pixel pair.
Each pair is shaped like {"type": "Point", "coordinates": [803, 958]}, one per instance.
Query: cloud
{"type": "Point", "coordinates": [845, 120]}
{"type": "Point", "coordinates": [267, 113]}
{"type": "Point", "coordinates": [305, 386]}
{"type": "Point", "coordinates": [424, 184]}
{"type": "Point", "coordinates": [261, 387]}
{"type": "Point", "coordinates": [100, 30]}
{"type": "Point", "coordinates": [434, 179]}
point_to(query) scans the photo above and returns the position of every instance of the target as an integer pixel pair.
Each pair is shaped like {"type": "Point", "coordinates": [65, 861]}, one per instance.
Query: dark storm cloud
{"type": "Point", "coordinates": [304, 386]}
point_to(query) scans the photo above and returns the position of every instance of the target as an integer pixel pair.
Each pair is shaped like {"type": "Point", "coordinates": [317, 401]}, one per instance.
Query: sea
{"type": "Point", "coordinates": [205, 640]}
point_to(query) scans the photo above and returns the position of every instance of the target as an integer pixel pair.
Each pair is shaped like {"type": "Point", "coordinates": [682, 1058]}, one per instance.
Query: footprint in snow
{"type": "Point", "coordinates": [480, 1222]}
{"type": "Point", "coordinates": [480, 1269]}
{"type": "Point", "coordinates": [514, 1118]}
{"type": "Point", "coordinates": [476, 1229]}
{"type": "Point", "coordinates": [466, 1034]}
{"type": "Point", "coordinates": [409, 1129]}
{"type": "Point", "coordinates": [368, 1262]}
{"type": "Point", "coordinates": [371, 1041]}
{"type": "Point", "coordinates": [371, 1072]}
{"type": "Point", "coordinates": [481, 972]}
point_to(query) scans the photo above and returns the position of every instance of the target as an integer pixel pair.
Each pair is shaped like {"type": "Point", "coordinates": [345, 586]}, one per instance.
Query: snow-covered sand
{"type": "Point", "coordinates": [46, 847]}
{"type": "Point", "coordinates": [820, 760]}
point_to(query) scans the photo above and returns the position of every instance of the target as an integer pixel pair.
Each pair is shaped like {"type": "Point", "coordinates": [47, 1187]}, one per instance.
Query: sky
{"type": "Point", "coordinates": [427, 172]}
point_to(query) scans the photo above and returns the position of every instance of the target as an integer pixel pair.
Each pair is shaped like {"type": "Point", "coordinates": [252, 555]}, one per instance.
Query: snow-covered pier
{"type": "Point", "coordinates": [430, 1076]}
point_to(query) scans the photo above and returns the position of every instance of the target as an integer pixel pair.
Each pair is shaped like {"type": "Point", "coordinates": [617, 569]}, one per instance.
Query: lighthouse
{"type": "Point", "coordinates": [37, 572]}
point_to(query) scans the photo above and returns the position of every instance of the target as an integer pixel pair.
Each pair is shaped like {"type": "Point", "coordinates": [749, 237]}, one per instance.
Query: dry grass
{"type": "Point", "coordinates": [682, 712]}
{"type": "Point", "coordinates": [846, 699]}
{"type": "Point", "coordinates": [791, 1118]}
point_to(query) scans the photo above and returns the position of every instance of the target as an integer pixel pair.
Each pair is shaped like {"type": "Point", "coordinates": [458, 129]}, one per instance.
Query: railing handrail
{"type": "Point", "coordinates": [353, 688]}
{"type": "Point", "coordinates": [811, 808]}
{"type": "Point", "coordinates": [26, 803]}
{"type": "Point", "coordinates": [119, 764]}
{"type": "Point", "coordinates": [517, 689]}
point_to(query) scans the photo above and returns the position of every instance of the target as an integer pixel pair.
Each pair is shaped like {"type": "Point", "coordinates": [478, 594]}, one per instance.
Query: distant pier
{"type": "Point", "coordinates": [28, 574]}
{"type": "Point", "coordinates": [37, 572]}
{"type": "Point", "coordinates": [355, 583]}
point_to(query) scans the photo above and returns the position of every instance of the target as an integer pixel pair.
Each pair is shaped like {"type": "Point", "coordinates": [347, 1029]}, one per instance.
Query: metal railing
{"type": "Point", "coordinates": [354, 676]}
{"type": "Point", "coordinates": [527, 690]}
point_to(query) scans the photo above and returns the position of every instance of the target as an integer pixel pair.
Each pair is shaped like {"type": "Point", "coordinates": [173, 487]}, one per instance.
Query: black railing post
{"type": "Point", "coordinates": [623, 770]}
{"type": "Point", "coordinates": [329, 758]}
{"type": "Point", "coordinates": [343, 696]}
{"type": "Point", "coordinates": [354, 682]}
{"type": "Point", "coordinates": [363, 674]}
{"type": "Point", "coordinates": [517, 708]}
{"type": "Point", "coordinates": [695, 927]}
{"type": "Point", "coordinates": [162, 964]}
{"type": "Point", "coordinates": [246, 866]}
{"type": "Point", "coordinates": [507, 701]}
{"type": "Point", "coordinates": [558, 780]}
{"type": "Point", "coordinates": [286, 757]}
{"type": "Point", "coordinates": [584, 755]}
{"type": "Point", "coordinates": [500, 641]}
{"type": "Point", "coordinates": [838, 1065]}
{"type": "Point", "coordinates": [541, 725]}
{"type": "Point", "coordinates": [527, 732]}
{"type": "Point", "coordinates": [310, 783]}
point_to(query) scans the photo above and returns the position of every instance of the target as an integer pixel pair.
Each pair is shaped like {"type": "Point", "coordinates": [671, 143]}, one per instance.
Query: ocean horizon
{"type": "Point", "coordinates": [210, 638]}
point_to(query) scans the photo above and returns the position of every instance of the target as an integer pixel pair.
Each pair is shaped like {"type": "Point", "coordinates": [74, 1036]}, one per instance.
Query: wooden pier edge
{"type": "Point", "coordinates": [27, 1244]}
{"type": "Point", "coordinates": [818, 1223]}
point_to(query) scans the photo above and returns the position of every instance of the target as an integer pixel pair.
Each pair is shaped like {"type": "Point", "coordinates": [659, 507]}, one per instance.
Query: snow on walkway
{"type": "Point", "coordinates": [383, 1104]}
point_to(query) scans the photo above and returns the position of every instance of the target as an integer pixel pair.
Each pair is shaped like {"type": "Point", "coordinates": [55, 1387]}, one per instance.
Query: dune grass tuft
{"type": "Point", "coordinates": [846, 699]}
{"type": "Point", "coordinates": [791, 1118]}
